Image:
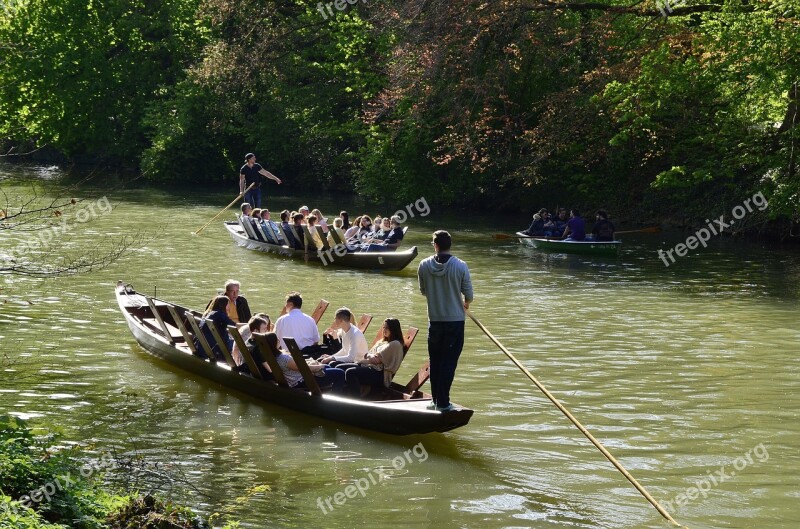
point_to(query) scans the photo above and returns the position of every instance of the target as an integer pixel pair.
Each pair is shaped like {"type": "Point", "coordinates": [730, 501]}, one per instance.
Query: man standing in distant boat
{"type": "Point", "coordinates": [252, 173]}
{"type": "Point", "coordinates": [445, 282]}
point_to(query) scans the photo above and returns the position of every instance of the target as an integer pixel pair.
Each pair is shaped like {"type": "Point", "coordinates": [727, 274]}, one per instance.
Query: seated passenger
{"type": "Point", "coordinates": [238, 309]}
{"type": "Point", "coordinates": [301, 327]}
{"type": "Point", "coordinates": [536, 229]}
{"type": "Point", "coordinates": [345, 219]}
{"type": "Point", "coordinates": [304, 211]}
{"type": "Point", "coordinates": [576, 227]}
{"type": "Point", "coordinates": [354, 345]}
{"type": "Point", "coordinates": [350, 231]}
{"type": "Point", "coordinates": [246, 209]}
{"type": "Point", "coordinates": [364, 228]}
{"type": "Point", "coordinates": [297, 231]}
{"type": "Point", "coordinates": [216, 315]}
{"type": "Point", "coordinates": [391, 238]}
{"type": "Point", "coordinates": [560, 223]}
{"type": "Point", "coordinates": [379, 366]}
{"type": "Point", "coordinates": [255, 222]}
{"type": "Point", "coordinates": [312, 229]}
{"type": "Point", "coordinates": [337, 227]}
{"type": "Point", "coordinates": [287, 229]}
{"type": "Point", "coordinates": [270, 228]}
{"type": "Point", "coordinates": [603, 228]}
{"type": "Point", "coordinates": [260, 323]}
{"type": "Point", "coordinates": [329, 375]}
{"type": "Point", "coordinates": [322, 221]}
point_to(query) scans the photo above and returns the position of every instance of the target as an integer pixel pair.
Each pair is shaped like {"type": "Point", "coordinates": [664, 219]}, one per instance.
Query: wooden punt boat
{"type": "Point", "coordinates": [566, 246]}
{"type": "Point", "coordinates": [160, 328]}
{"type": "Point", "coordinates": [388, 261]}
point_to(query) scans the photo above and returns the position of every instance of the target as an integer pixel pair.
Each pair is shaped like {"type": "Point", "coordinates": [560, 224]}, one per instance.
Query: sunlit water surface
{"type": "Point", "coordinates": [679, 371]}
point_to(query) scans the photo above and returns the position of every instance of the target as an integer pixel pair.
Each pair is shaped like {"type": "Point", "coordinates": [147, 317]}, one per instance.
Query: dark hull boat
{"type": "Point", "coordinates": [389, 261]}
{"type": "Point", "coordinates": [398, 410]}
{"type": "Point", "coordinates": [568, 246]}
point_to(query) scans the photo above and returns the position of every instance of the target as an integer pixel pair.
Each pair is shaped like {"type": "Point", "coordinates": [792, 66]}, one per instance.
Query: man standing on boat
{"type": "Point", "coordinates": [252, 173]}
{"type": "Point", "coordinates": [445, 282]}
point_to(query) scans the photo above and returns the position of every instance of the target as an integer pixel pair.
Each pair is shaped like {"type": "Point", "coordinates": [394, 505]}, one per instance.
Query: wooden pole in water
{"type": "Point", "coordinates": [225, 209]}
{"type": "Point", "coordinates": [577, 424]}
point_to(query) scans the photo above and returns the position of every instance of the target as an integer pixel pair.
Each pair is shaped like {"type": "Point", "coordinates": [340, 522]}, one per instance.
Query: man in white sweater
{"type": "Point", "coordinates": [301, 327]}
{"type": "Point", "coordinates": [354, 345]}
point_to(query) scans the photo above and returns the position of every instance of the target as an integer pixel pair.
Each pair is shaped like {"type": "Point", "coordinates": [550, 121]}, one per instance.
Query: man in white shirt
{"type": "Point", "coordinates": [354, 345]}
{"type": "Point", "coordinates": [301, 327]}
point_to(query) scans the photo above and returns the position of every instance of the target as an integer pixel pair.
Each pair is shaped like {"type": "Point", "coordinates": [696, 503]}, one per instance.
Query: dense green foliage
{"type": "Point", "coordinates": [44, 485]}
{"type": "Point", "coordinates": [508, 102]}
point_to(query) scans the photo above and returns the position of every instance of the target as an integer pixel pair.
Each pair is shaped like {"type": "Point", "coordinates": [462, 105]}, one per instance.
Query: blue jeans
{"type": "Point", "coordinates": [332, 376]}
{"type": "Point", "coordinates": [445, 342]}
{"type": "Point", "coordinates": [253, 197]}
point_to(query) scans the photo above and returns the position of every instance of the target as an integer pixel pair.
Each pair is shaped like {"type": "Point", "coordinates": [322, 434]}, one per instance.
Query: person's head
{"type": "Point", "coordinates": [312, 220]}
{"type": "Point", "coordinates": [246, 209]}
{"type": "Point", "coordinates": [272, 340]}
{"type": "Point", "coordinates": [391, 330]}
{"type": "Point", "coordinates": [377, 220]}
{"type": "Point", "coordinates": [265, 214]}
{"type": "Point", "coordinates": [357, 222]}
{"type": "Point", "coordinates": [562, 213]}
{"type": "Point", "coordinates": [220, 304]}
{"type": "Point", "coordinates": [574, 213]}
{"type": "Point", "coordinates": [395, 221]}
{"type": "Point", "coordinates": [365, 221]}
{"type": "Point", "coordinates": [304, 211]}
{"type": "Point", "coordinates": [386, 224]}
{"type": "Point", "coordinates": [256, 213]}
{"type": "Point", "coordinates": [543, 212]}
{"type": "Point", "coordinates": [294, 301]}
{"type": "Point", "coordinates": [343, 318]}
{"type": "Point", "coordinates": [442, 241]}
{"type": "Point", "coordinates": [232, 289]}
{"type": "Point", "coordinates": [298, 218]}
{"type": "Point", "coordinates": [250, 158]}
{"type": "Point", "coordinates": [258, 324]}
{"type": "Point", "coordinates": [317, 213]}
{"type": "Point", "coordinates": [285, 215]}
{"type": "Point", "coordinates": [345, 218]}
{"type": "Point", "coordinates": [338, 222]}
{"type": "Point", "coordinates": [602, 214]}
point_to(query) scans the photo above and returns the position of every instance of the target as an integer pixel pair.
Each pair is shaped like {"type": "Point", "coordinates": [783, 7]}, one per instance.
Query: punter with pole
{"type": "Point", "coordinates": [444, 281]}
{"type": "Point", "coordinates": [251, 176]}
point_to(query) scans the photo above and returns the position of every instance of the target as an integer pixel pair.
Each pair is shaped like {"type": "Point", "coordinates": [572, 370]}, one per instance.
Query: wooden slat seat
{"type": "Point", "coordinates": [174, 334]}
{"type": "Point", "coordinates": [178, 321]}
{"type": "Point", "coordinates": [204, 345]}
{"type": "Point", "coordinates": [319, 310]}
{"type": "Point", "coordinates": [269, 355]}
{"type": "Point", "coordinates": [244, 222]}
{"type": "Point", "coordinates": [419, 378]}
{"type": "Point", "coordinates": [161, 325]}
{"type": "Point", "coordinates": [308, 377]}
{"type": "Point", "coordinates": [223, 344]}
{"type": "Point", "coordinates": [245, 351]}
{"type": "Point", "coordinates": [364, 322]}
{"type": "Point", "coordinates": [323, 237]}
{"type": "Point", "coordinates": [408, 338]}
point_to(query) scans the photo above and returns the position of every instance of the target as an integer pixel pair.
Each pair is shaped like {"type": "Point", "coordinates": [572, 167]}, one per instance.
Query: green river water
{"type": "Point", "coordinates": [680, 371]}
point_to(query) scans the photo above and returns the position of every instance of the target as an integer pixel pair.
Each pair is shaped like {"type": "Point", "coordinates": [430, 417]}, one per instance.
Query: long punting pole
{"type": "Point", "coordinates": [225, 209]}
{"type": "Point", "coordinates": [577, 423]}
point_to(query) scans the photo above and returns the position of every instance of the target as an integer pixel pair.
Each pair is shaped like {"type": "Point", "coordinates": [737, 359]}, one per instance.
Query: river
{"type": "Point", "coordinates": [688, 374]}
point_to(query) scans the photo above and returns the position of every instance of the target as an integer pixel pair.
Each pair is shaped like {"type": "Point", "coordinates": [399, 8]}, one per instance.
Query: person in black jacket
{"type": "Point", "coordinates": [238, 309]}
{"type": "Point", "coordinates": [603, 228]}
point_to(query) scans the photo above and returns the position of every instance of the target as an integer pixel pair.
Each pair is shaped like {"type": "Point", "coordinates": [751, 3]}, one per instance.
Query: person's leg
{"type": "Point", "coordinates": [455, 343]}
{"type": "Point", "coordinates": [333, 376]}
{"type": "Point", "coordinates": [435, 337]}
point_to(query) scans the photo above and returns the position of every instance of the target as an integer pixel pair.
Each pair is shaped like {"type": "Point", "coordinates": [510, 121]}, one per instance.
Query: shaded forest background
{"type": "Point", "coordinates": [511, 104]}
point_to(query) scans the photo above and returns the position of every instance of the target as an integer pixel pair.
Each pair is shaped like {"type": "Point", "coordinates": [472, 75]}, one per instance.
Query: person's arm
{"type": "Point", "coordinates": [566, 233]}
{"type": "Point", "coordinates": [269, 175]}
{"type": "Point", "coordinates": [242, 183]}
{"type": "Point", "coordinates": [421, 281]}
{"type": "Point", "coordinates": [466, 288]}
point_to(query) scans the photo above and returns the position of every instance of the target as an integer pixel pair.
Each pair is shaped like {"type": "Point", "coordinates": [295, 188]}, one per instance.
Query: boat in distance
{"type": "Point", "coordinates": [570, 246]}
{"type": "Point", "coordinates": [385, 261]}
{"type": "Point", "coordinates": [396, 410]}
